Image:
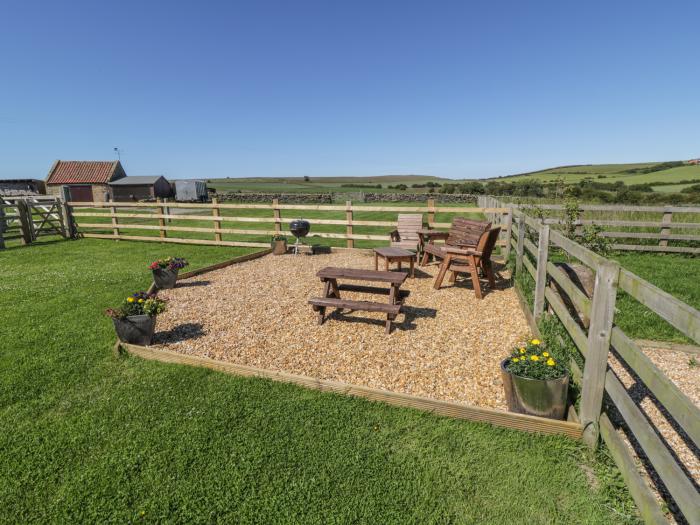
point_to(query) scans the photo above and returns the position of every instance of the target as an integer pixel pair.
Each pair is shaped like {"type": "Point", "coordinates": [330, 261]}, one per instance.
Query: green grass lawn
{"type": "Point", "coordinates": [675, 274]}
{"type": "Point", "coordinates": [88, 437]}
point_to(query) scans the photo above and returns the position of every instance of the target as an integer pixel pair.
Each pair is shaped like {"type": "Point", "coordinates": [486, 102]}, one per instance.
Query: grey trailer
{"type": "Point", "coordinates": [191, 191]}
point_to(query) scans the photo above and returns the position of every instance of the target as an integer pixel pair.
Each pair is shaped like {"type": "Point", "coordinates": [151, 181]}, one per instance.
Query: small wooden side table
{"type": "Point", "coordinates": [397, 255]}
{"type": "Point", "coordinates": [428, 236]}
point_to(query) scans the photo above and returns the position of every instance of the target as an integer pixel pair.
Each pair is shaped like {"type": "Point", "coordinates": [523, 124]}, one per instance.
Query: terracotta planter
{"type": "Point", "coordinates": [536, 397]}
{"type": "Point", "coordinates": [164, 278]}
{"type": "Point", "coordinates": [135, 329]}
{"type": "Point", "coordinates": [279, 247]}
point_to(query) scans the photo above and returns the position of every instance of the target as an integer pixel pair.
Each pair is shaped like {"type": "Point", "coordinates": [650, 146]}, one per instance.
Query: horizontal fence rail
{"type": "Point", "coordinates": [119, 220]}
{"type": "Point", "coordinates": [597, 380]}
{"type": "Point", "coordinates": [659, 225]}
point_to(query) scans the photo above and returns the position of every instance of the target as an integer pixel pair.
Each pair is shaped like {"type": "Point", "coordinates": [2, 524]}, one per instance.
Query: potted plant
{"type": "Point", "coordinates": [135, 320]}
{"type": "Point", "coordinates": [165, 271]}
{"type": "Point", "coordinates": [535, 381]}
{"type": "Point", "coordinates": [279, 244]}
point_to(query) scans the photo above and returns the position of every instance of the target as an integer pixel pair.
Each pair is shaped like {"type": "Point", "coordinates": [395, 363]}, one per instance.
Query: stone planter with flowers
{"type": "Point", "coordinates": [135, 320]}
{"type": "Point", "coordinates": [165, 271]}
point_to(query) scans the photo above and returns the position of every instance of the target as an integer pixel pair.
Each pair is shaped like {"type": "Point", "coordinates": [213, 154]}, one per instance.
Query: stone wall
{"type": "Point", "coordinates": [284, 198]}
{"type": "Point", "coordinates": [328, 198]}
{"type": "Point", "coordinates": [421, 197]}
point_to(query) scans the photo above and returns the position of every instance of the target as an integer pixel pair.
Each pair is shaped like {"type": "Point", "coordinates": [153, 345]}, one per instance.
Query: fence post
{"type": "Point", "coordinates": [665, 230]}
{"type": "Point", "coordinates": [68, 221]}
{"type": "Point", "coordinates": [277, 215]}
{"type": "Point", "coordinates": [541, 279]}
{"type": "Point", "coordinates": [59, 212]}
{"type": "Point", "coordinates": [509, 224]}
{"type": "Point", "coordinates": [161, 219]}
{"type": "Point", "coordinates": [431, 212]}
{"type": "Point", "coordinates": [167, 211]}
{"type": "Point", "coordinates": [26, 221]}
{"type": "Point", "coordinates": [599, 333]}
{"type": "Point", "coordinates": [115, 221]}
{"type": "Point", "coordinates": [348, 219]}
{"type": "Point", "coordinates": [520, 249]}
{"type": "Point", "coordinates": [216, 213]}
{"type": "Point", "coordinates": [3, 225]}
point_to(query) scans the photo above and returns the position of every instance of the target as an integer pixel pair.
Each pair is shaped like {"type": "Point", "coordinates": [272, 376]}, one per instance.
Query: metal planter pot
{"type": "Point", "coordinates": [279, 247]}
{"type": "Point", "coordinates": [164, 278]}
{"type": "Point", "coordinates": [135, 329]}
{"type": "Point", "coordinates": [536, 397]}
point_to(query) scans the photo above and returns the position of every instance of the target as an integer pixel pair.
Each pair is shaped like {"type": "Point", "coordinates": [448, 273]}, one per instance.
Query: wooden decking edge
{"type": "Point", "coordinates": [498, 418]}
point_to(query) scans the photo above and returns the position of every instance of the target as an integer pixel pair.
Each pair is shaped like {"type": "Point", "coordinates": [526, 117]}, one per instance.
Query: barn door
{"type": "Point", "coordinates": [81, 193]}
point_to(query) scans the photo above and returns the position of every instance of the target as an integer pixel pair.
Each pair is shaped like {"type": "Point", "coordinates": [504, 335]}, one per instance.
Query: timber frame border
{"type": "Point", "coordinates": [499, 418]}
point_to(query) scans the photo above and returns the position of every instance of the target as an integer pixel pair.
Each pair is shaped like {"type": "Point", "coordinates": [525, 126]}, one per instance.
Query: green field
{"type": "Point", "coordinates": [89, 437]}
{"type": "Point", "coordinates": [612, 173]}
{"type": "Point", "coordinates": [322, 184]}
{"type": "Point", "coordinates": [608, 173]}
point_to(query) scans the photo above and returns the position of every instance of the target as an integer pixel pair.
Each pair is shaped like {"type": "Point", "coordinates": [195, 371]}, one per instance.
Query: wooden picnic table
{"type": "Point", "coordinates": [331, 292]}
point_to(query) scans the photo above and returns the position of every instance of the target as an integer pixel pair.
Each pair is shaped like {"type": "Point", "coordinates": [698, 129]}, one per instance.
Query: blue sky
{"type": "Point", "coordinates": [454, 89]}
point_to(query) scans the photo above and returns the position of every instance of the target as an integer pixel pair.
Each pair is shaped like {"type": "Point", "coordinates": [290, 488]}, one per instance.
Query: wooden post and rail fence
{"type": "Point", "coordinates": [110, 220]}
{"type": "Point", "coordinates": [605, 404]}
{"type": "Point", "coordinates": [666, 220]}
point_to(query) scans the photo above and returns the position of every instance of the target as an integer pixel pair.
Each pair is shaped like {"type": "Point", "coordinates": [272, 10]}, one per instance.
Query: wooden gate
{"type": "Point", "coordinates": [27, 218]}
{"type": "Point", "coordinates": [47, 218]}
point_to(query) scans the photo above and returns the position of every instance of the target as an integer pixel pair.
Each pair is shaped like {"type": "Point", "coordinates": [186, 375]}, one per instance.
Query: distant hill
{"type": "Point", "coordinates": [663, 173]}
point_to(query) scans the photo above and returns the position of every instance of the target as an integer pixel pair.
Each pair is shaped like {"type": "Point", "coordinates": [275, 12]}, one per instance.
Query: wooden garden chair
{"type": "Point", "coordinates": [464, 233]}
{"type": "Point", "coordinates": [406, 233]}
{"type": "Point", "coordinates": [470, 260]}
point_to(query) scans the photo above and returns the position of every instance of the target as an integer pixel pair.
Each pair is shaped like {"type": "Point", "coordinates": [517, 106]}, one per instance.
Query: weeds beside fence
{"type": "Point", "coordinates": [605, 404]}
{"type": "Point", "coordinates": [669, 229]}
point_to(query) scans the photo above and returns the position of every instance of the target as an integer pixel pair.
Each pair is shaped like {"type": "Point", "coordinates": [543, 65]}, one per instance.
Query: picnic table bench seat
{"type": "Point", "coordinates": [331, 292]}
{"type": "Point", "coordinates": [367, 306]}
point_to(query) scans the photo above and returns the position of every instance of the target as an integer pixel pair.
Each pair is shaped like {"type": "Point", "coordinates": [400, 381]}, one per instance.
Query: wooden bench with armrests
{"type": "Point", "coordinates": [464, 233]}
{"type": "Point", "coordinates": [470, 260]}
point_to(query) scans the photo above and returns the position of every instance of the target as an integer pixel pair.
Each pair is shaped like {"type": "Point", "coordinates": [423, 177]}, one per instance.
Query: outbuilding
{"type": "Point", "coordinates": [83, 180]}
{"type": "Point", "coordinates": [140, 188]}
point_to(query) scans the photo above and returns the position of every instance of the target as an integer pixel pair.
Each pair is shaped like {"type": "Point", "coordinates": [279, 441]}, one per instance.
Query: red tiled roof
{"type": "Point", "coordinates": [82, 172]}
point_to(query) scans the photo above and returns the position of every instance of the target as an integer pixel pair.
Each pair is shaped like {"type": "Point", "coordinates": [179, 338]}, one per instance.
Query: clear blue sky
{"type": "Point", "coordinates": [292, 88]}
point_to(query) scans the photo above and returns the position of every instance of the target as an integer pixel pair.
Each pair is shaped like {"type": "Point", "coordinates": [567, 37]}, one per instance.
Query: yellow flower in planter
{"type": "Point", "coordinates": [522, 350]}
{"type": "Point", "coordinates": [516, 359]}
{"type": "Point", "coordinates": [535, 341]}
{"type": "Point", "coordinates": [130, 299]}
{"type": "Point", "coordinates": [551, 362]}
{"type": "Point", "coordinates": [545, 354]}
{"type": "Point", "coordinates": [141, 300]}
{"type": "Point", "coordinates": [535, 357]}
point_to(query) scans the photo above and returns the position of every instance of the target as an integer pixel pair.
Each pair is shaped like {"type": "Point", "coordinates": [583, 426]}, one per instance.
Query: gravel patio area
{"type": "Point", "coordinates": [447, 345]}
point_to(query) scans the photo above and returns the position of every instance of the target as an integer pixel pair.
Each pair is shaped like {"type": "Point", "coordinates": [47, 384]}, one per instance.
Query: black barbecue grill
{"type": "Point", "coordinates": [299, 228]}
